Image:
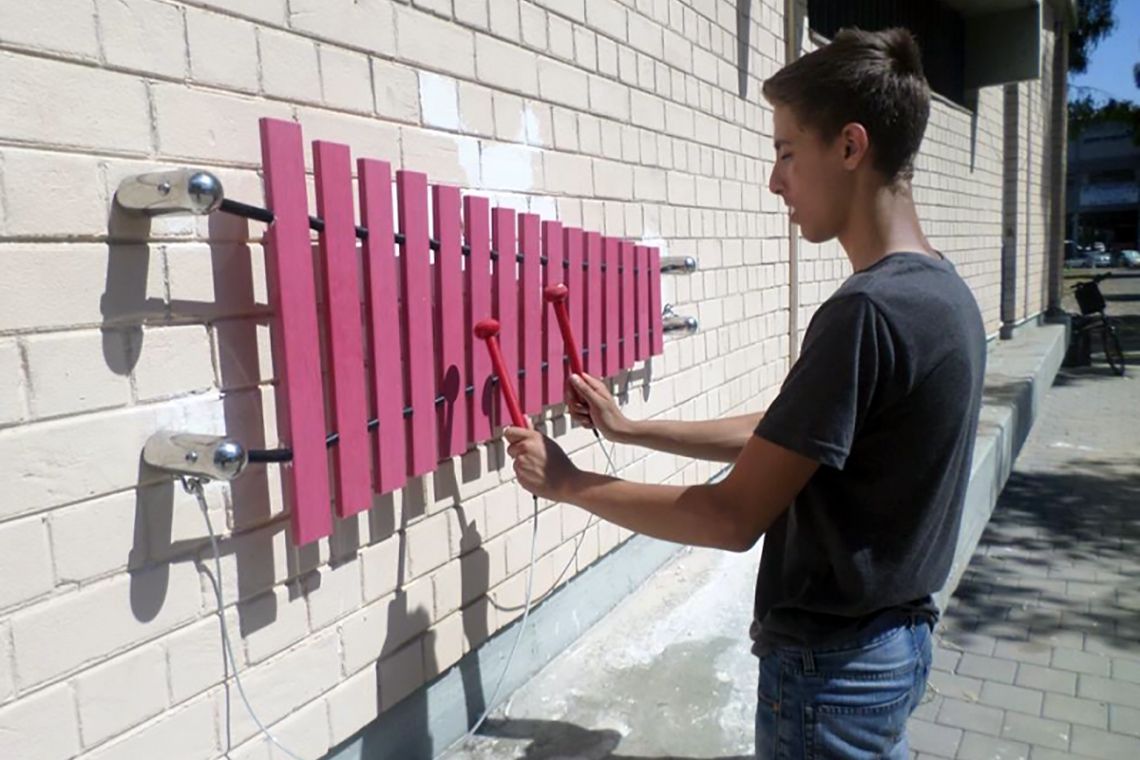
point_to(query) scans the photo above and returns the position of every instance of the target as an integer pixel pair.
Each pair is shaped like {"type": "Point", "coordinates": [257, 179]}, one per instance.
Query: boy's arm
{"type": "Point", "coordinates": [720, 440]}
{"type": "Point", "coordinates": [731, 514]}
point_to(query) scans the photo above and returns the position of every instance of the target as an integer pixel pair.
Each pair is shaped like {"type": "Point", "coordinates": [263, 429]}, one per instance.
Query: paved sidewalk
{"type": "Point", "coordinates": [1040, 653]}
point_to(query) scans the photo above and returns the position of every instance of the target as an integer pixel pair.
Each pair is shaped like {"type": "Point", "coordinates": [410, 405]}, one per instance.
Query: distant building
{"type": "Point", "coordinates": [1103, 194]}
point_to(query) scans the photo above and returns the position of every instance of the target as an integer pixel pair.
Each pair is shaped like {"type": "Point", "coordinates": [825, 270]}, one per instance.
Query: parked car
{"type": "Point", "coordinates": [1101, 258]}
{"type": "Point", "coordinates": [1129, 259]}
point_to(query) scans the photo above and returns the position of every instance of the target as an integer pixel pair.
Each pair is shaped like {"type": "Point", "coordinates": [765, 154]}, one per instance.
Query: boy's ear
{"type": "Point", "coordinates": [856, 142]}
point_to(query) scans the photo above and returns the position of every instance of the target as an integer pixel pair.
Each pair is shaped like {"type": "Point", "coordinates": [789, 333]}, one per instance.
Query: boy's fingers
{"type": "Point", "coordinates": [595, 384]}
{"type": "Point", "coordinates": [585, 390]}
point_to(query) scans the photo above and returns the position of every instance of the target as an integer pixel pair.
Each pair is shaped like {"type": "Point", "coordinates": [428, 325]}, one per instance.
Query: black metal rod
{"type": "Point", "coordinates": [257, 213]}
{"type": "Point", "coordinates": [282, 455]}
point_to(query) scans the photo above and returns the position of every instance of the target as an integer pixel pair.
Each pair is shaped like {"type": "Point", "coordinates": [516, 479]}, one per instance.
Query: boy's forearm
{"type": "Point", "coordinates": [692, 515]}
{"type": "Point", "coordinates": [713, 440]}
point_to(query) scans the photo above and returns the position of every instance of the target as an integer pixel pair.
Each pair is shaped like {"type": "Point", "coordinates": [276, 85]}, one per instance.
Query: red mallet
{"type": "Point", "coordinates": [556, 296]}
{"type": "Point", "coordinates": [488, 330]}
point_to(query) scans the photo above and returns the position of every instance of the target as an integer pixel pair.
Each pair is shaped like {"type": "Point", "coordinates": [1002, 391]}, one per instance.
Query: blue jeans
{"type": "Point", "coordinates": [850, 702]}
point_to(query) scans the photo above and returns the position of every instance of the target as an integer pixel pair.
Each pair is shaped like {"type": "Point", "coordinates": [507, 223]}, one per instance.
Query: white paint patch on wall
{"type": "Point", "coordinates": [439, 101]}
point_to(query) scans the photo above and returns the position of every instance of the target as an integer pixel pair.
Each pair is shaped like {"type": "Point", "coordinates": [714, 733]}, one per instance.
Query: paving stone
{"type": "Point", "coordinates": [956, 687]}
{"type": "Point", "coordinates": [989, 668]}
{"type": "Point", "coordinates": [1046, 679]}
{"type": "Point", "coordinates": [1085, 711]}
{"type": "Point", "coordinates": [1105, 690]}
{"type": "Point", "coordinates": [1081, 662]}
{"type": "Point", "coordinates": [1113, 647]}
{"type": "Point", "coordinates": [1043, 753]}
{"type": "Point", "coordinates": [1027, 728]}
{"type": "Point", "coordinates": [1101, 744]}
{"type": "Point", "coordinates": [1009, 697]}
{"type": "Point", "coordinates": [1024, 651]}
{"type": "Point", "coordinates": [945, 659]}
{"type": "Point", "coordinates": [928, 709]}
{"type": "Point", "coordinates": [932, 738]}
{"type": "Point", "coordinates": [1125, 670]}
{"type": "Point", "coordinates": [959, 714]}
{"type": "Point", "coordinates": [1124, 720]}
{"type": "Point", "coordinates": [979, 747]}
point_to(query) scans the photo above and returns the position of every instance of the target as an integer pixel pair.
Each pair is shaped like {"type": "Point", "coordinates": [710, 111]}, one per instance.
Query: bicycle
{"type": "Point", "coordinates": [1093, 319]}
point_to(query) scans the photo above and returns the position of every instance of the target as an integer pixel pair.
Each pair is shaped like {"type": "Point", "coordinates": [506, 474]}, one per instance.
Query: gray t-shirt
{"type": "Point", "coordinates": [885, 395]}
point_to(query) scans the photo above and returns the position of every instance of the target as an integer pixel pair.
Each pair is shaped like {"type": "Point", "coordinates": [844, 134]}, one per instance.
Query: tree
{"type": "Point", "coordinates": [1086, 111]}
{"type": "Point", "coordinates": [1095, 20]}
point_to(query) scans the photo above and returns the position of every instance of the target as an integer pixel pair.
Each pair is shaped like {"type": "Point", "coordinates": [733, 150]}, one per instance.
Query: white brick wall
{"type": "Point", "coordinates": [624, 117]}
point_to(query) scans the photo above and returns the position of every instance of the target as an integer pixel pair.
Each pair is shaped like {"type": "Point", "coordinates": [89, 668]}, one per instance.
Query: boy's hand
{"type": "Point", "coordinates": [541, 465]}
{"type": "Point", "coordinates": [591, 405]}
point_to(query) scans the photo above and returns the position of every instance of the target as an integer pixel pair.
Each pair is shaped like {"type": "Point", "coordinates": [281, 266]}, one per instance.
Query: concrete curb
{"type": "Point", "coordinates": [1018, 373]}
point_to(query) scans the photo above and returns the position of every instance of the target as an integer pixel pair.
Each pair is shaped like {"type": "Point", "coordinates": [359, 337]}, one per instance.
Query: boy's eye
{"type": "Point", "coordinates": [785, 157]}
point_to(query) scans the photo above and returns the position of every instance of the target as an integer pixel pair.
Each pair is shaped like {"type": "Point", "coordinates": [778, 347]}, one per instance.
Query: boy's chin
{"type": "Point", "coordinates": [815, 235]}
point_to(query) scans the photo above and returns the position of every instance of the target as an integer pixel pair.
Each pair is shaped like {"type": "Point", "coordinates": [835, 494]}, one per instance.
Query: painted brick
{"type": "Point", "coordinates": [25, 561]}
{"type": "Point", "coordinates": [54, 175]}
{"type": "Point", "coordinates": [43, 726]}
{"type": "Point", "coordinates": [55, 637]}
{"type": "Point", "coordinates": [367, 25]}
{"type": "Point", "coordinates": [174, 361]}
{"type": "Point", "coordinates": [353, 704]}
{"type": "Point", "coordinates": [396, 91]}
{"type": "Point", "coordinates": [78, 371]}
{"type": "Point", "coordinates": [194, 656]}
{"type": "Point", "coordinates": [505, 21]}
{"type": "Point", "coordinates": [289, 68]}
{"type": "Point", "coordinates": [122, 693]}
{"type": "Point", "coordinates": [504, 65]}
{"type": "Point", "coordinates": [61, 26]}
{"type": "Point", "coordinates": [143, 35]}
{"type": "Point", "coordinates": [563, 84]}
{"type": "Point", "coordinates": [187, 732]}
{"type": "Point", "coordinates": [223, 52]}
{"type": "Point", "coordinates": [13, 395]}
{"type": "Point", "coordinates": [272, 622]}
{"type": "Point", "coordinates": [345, 80]}
{"type": "Point", "coordinates": [208, 126]}
{"type": "Point", "coordinates": [434, 43]}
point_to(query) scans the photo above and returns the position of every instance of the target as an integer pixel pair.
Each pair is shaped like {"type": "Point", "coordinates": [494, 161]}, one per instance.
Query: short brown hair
{"type": "Point", "coordinates": [873, 78]}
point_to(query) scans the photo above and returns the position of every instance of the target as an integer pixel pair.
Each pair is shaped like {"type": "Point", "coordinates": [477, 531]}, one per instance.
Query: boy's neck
{"type": "Point", "coordinates": [883, 221]}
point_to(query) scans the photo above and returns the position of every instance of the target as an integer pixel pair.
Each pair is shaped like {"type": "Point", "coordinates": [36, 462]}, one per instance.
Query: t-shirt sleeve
{"type": "Point", "coordinates": [846, 357]}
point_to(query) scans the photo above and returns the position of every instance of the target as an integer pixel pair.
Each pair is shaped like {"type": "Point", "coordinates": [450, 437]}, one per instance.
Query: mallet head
{"type": "Point", "coordinates": [487, 328]}
{"type": "Point", "coordinates": [556, 293]}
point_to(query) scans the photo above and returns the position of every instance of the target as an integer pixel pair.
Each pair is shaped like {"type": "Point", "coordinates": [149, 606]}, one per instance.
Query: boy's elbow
{"type": "Point", "coordinates": [742, 540]}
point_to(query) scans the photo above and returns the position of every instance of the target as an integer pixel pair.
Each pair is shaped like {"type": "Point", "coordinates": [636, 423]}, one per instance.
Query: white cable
{"type": "Point", "coordinates": [522, 627]}
{"type": "Point", "coordinates": [194, 486]}
{"type": "Point", "coordinates": [526, 607]}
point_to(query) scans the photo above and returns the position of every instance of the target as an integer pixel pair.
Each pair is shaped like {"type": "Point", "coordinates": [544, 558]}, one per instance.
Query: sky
{"type": "Point", "coordinates": [1111, 62]}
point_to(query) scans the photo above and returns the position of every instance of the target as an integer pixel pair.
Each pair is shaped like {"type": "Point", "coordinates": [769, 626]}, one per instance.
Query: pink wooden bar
{"type": "Point", "coordinates": [383, 312]}
{"type": "Point", "coordinates": [419, 357]}
{"type": "Point", "coordinates": [333, 167]}
{"type": "Point", "coordinates": [657, 345]}
{"type": "Point", "coordinates": [626, 353]}
{"type": "Point", "coordinates": [506, 298]}
{"type": "Point", "coordinates": [592, 343]}
{"type": "Point", "coordinates": [612, 331]}
{"type": "Point", "coordinates": [575, 283]}
{"type": "Point", "coordinates": [478, 230]}
{"type": "Point", "coordinates": [552, 349]}
{"type": "Point", "coordinates": [530, 312]}
{"type": "Point", "coordinates": [452, 339]}
{"type": "Point", "coordinates": [641, 303]}
{"type": "Point", "coordinates": [292, 293]}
